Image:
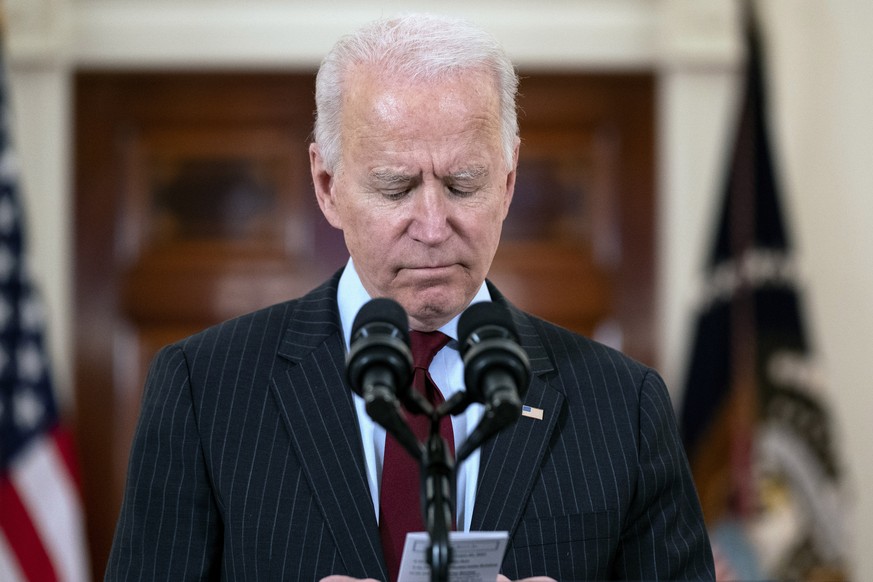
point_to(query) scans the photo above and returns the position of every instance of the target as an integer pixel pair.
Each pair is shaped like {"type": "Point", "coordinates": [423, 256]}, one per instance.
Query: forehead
{"type": "Point", "coordinates": [393, 106]}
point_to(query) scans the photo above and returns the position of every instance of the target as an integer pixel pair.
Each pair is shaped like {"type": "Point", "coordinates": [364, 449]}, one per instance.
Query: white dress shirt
{"type": "Point", "coordinates": [447, 372]}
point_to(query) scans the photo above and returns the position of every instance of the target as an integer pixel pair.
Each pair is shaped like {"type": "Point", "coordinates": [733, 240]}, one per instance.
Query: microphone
{"type": "Point", "coordinates": [496, 369]}
{"type": "Point", "coordinates": [379, 365]}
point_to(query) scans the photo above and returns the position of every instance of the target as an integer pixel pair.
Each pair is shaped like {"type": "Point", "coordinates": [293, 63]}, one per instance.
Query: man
{"type": "Point", "coordinates": [252, 458]}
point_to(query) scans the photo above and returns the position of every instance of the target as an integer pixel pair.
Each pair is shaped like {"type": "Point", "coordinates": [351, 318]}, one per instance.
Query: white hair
{"type": "Point", "coordinates": [421, 47]}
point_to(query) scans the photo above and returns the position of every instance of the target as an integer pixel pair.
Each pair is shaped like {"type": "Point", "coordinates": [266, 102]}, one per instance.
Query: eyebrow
{"type": "Point", "coordinates": [387, 176]}
{"type": "Point", "coordinates": [473, 173]}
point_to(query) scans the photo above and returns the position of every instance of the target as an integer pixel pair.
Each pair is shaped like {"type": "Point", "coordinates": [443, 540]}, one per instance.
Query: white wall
{"type": "Point", "coordinates": [823, 130]}
{"type": "Point", "coordinates": [823, 82]}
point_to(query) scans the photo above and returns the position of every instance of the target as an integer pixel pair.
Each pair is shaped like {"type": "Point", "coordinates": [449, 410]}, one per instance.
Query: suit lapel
{"type": "Point", "coordinates": [510, 462]}
{"type": "Point", "coordinates": [317, 405]}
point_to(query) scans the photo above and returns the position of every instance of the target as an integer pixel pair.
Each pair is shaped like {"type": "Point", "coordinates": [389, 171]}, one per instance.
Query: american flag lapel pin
{"type": "Point", "coordinates": [531, 412]}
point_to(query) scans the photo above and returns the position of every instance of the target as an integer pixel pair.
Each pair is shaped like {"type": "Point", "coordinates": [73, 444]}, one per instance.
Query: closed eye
{"type": "Point", "coordinates": [394, 195]}
{"type": "Point", "coordinates": [391, 184]}
{"type": "Point", "coordinates": [461, 192]}
{"type": "Point", "coordinates": [467, 182]}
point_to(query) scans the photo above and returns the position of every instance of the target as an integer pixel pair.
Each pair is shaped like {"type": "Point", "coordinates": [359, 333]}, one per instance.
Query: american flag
{"type": "Point", "coordinates": [41, 519]}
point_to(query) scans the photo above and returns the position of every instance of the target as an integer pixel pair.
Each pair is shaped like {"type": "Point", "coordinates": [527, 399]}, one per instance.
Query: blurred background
{"type": "Point", "coordinates": [164, 175]}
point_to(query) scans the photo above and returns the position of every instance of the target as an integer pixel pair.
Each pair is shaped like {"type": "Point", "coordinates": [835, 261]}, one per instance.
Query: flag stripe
{"type": "Point", "coordinates": [66, 448]}
{"type": "Point", "coordinates": [22, 537]}
{"type": "Point", "coordinates": [49, 494]}
{"type": "Point", "coordinates": [9, 567]}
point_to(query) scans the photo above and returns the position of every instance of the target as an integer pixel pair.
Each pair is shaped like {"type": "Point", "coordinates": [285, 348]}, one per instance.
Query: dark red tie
{"type": "Point", "coordinates": [400, 498]}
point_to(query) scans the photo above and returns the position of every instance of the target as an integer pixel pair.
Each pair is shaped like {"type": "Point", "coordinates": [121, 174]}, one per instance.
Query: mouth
{"type": "Point", "coordinates": [429, 268]}
{"type": "Point", "coordinates": [430, 272]}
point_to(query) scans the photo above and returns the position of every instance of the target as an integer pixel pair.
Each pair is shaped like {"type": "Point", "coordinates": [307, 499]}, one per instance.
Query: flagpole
{"type": "Point", "coordinates": [743, 341]}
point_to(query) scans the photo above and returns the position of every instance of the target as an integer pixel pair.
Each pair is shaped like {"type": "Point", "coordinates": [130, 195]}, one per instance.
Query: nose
{"type": "Point", "coordinates": [431, 222]}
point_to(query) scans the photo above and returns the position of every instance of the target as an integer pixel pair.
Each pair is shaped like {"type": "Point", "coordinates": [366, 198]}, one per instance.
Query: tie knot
{"type": "Point", "coordinates": [425, 345]}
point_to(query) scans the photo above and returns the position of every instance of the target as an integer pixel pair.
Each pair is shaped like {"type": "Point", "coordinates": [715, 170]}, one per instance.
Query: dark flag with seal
{"type": "Point", "coordinates": [755, 418]}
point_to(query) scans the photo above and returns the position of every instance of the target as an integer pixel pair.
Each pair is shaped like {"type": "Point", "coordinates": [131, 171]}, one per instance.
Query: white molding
{"type": "Point", "coordinates": [37, 32]}
{"type": "Point", "coordinates": [697, 34]}
{"type": "Point", "coordinates": [139, 34]}
{"type": "Point", "coordinates": [270, 34]}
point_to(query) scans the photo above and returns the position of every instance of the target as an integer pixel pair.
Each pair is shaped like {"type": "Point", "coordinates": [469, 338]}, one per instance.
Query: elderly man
{"type": "Point", "coordinates": [254, 460]}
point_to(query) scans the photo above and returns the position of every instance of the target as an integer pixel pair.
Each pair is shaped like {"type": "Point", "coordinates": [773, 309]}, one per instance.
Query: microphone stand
{"type": "Point", "coordinates": [438, 470]}
{"type": "Point", "coordinates": [437, 467]}
{"type": "Point", "coordinates": [438, 501]}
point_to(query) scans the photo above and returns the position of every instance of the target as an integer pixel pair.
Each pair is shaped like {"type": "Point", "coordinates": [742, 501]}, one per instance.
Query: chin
{"type": "Point", "coordinates": [434, 314]}
{"type": "Point", "coordinates": [436, 301]}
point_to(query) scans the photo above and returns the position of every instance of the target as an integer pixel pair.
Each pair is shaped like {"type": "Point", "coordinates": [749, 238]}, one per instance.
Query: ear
{"type": "Point", "coordinates": [510, 178]}
{"type": "Point", "coordinates": [324, 183]}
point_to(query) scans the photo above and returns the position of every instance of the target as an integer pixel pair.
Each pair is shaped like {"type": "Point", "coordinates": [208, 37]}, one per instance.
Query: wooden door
{"type": "Point", "coordinates": [194, 204]}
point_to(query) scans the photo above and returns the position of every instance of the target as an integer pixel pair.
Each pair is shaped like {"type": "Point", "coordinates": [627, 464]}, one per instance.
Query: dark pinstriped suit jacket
{"type": "Point", "coordinates": [247, 462]}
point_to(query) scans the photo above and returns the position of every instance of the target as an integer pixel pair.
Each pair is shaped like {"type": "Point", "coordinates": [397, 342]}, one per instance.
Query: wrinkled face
{"type": "Point", "coordinates": [422, 189]}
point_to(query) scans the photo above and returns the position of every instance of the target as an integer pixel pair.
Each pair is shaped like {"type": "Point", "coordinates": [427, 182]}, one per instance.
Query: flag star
{"type": "Point", "coordinates": [8, 165]}
{"type": "Point", "coordinates": [30, 365]}
{"type": "Point", "coordinates": [28, 409]}
{"type": "Point", "coordinates": [32, 314]}
{"type": "Point", "coordinates": [8, 215]}
{"type": "Point", "coordinates": [7, 263]}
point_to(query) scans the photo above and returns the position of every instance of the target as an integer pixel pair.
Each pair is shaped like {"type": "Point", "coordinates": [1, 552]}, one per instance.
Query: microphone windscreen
{"type": "Point", "coordinates": [485, 314]}
{"type": "Point", "coordinates": [382, 310]}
